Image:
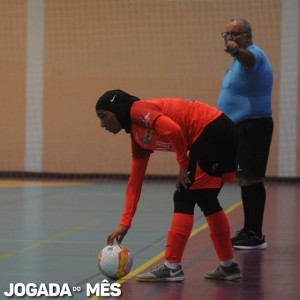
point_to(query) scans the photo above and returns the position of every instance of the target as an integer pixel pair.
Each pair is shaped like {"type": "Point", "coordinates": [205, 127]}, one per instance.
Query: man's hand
{"type": "Point", "coordinates": [231, 47]}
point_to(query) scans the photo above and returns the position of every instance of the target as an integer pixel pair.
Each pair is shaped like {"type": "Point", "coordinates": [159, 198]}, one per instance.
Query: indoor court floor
{"type": "Point", "coordinates": [51, 233]}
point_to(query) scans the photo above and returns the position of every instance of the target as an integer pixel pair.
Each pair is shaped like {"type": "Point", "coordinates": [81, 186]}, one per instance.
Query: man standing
{"type": "Point", "coordinates": [245, 98]}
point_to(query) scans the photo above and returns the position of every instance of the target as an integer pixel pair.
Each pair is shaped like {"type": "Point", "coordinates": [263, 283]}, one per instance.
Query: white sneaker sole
{"type": "Point", "coordinates": [259, 247]}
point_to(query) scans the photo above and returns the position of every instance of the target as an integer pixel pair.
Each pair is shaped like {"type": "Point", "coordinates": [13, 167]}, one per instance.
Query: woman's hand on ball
{"type": "Point", "coordinates": [118, 234]}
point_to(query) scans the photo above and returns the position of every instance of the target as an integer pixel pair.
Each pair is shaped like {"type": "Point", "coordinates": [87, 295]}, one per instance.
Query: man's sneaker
{"type": "Point", "coordinates": [162, 273]}
{"type": "Point", "coordinates": [231, 272]}
{"type": "Point", "coordinates": [239, 235]}
{"type": "Point", "coordinates": [247, 240]}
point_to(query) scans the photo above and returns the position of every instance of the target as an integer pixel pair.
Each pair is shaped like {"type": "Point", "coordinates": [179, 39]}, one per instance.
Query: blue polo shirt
{"type": "Point", "coordinates": [246, 94]}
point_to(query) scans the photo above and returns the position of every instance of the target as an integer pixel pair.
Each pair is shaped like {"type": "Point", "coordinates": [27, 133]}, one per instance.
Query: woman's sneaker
{"type": "Point", "coordinates": [247, 240]}
{"type": "Point", "coordinates": [231, 272]}
{"type": "Point", "coordinates": [162, 273]}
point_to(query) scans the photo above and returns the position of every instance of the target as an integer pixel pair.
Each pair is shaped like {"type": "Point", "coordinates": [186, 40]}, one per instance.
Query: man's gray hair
{"type": "Point", "coordinates": [247, 26]}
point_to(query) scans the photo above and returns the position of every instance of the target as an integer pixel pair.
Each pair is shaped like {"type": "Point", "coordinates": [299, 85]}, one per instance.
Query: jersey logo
{"type": "Point", "coordinates": [146, 139]}
{"type": "Point", "coordinates": [146, 118]}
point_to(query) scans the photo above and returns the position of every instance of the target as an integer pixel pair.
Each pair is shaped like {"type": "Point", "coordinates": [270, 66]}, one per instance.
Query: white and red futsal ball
{"type": "Point", "coordinates": [115, 261]}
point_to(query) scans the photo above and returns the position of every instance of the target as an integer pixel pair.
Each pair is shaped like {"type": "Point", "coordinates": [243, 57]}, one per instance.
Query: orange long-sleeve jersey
{"type": "Point", "coordinates": [167, 124]}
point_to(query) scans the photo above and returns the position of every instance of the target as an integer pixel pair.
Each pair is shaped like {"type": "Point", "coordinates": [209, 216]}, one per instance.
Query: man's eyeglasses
{"type": "Point", "coordinates": [232, 33]}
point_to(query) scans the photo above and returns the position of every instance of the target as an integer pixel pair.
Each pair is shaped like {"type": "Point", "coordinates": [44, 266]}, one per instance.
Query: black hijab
{"type": "Point", "coordinates": [118, 102]}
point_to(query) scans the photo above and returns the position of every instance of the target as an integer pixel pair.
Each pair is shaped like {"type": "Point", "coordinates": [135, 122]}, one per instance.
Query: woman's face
{"type": "Point", "coordinates": [109, 121]}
